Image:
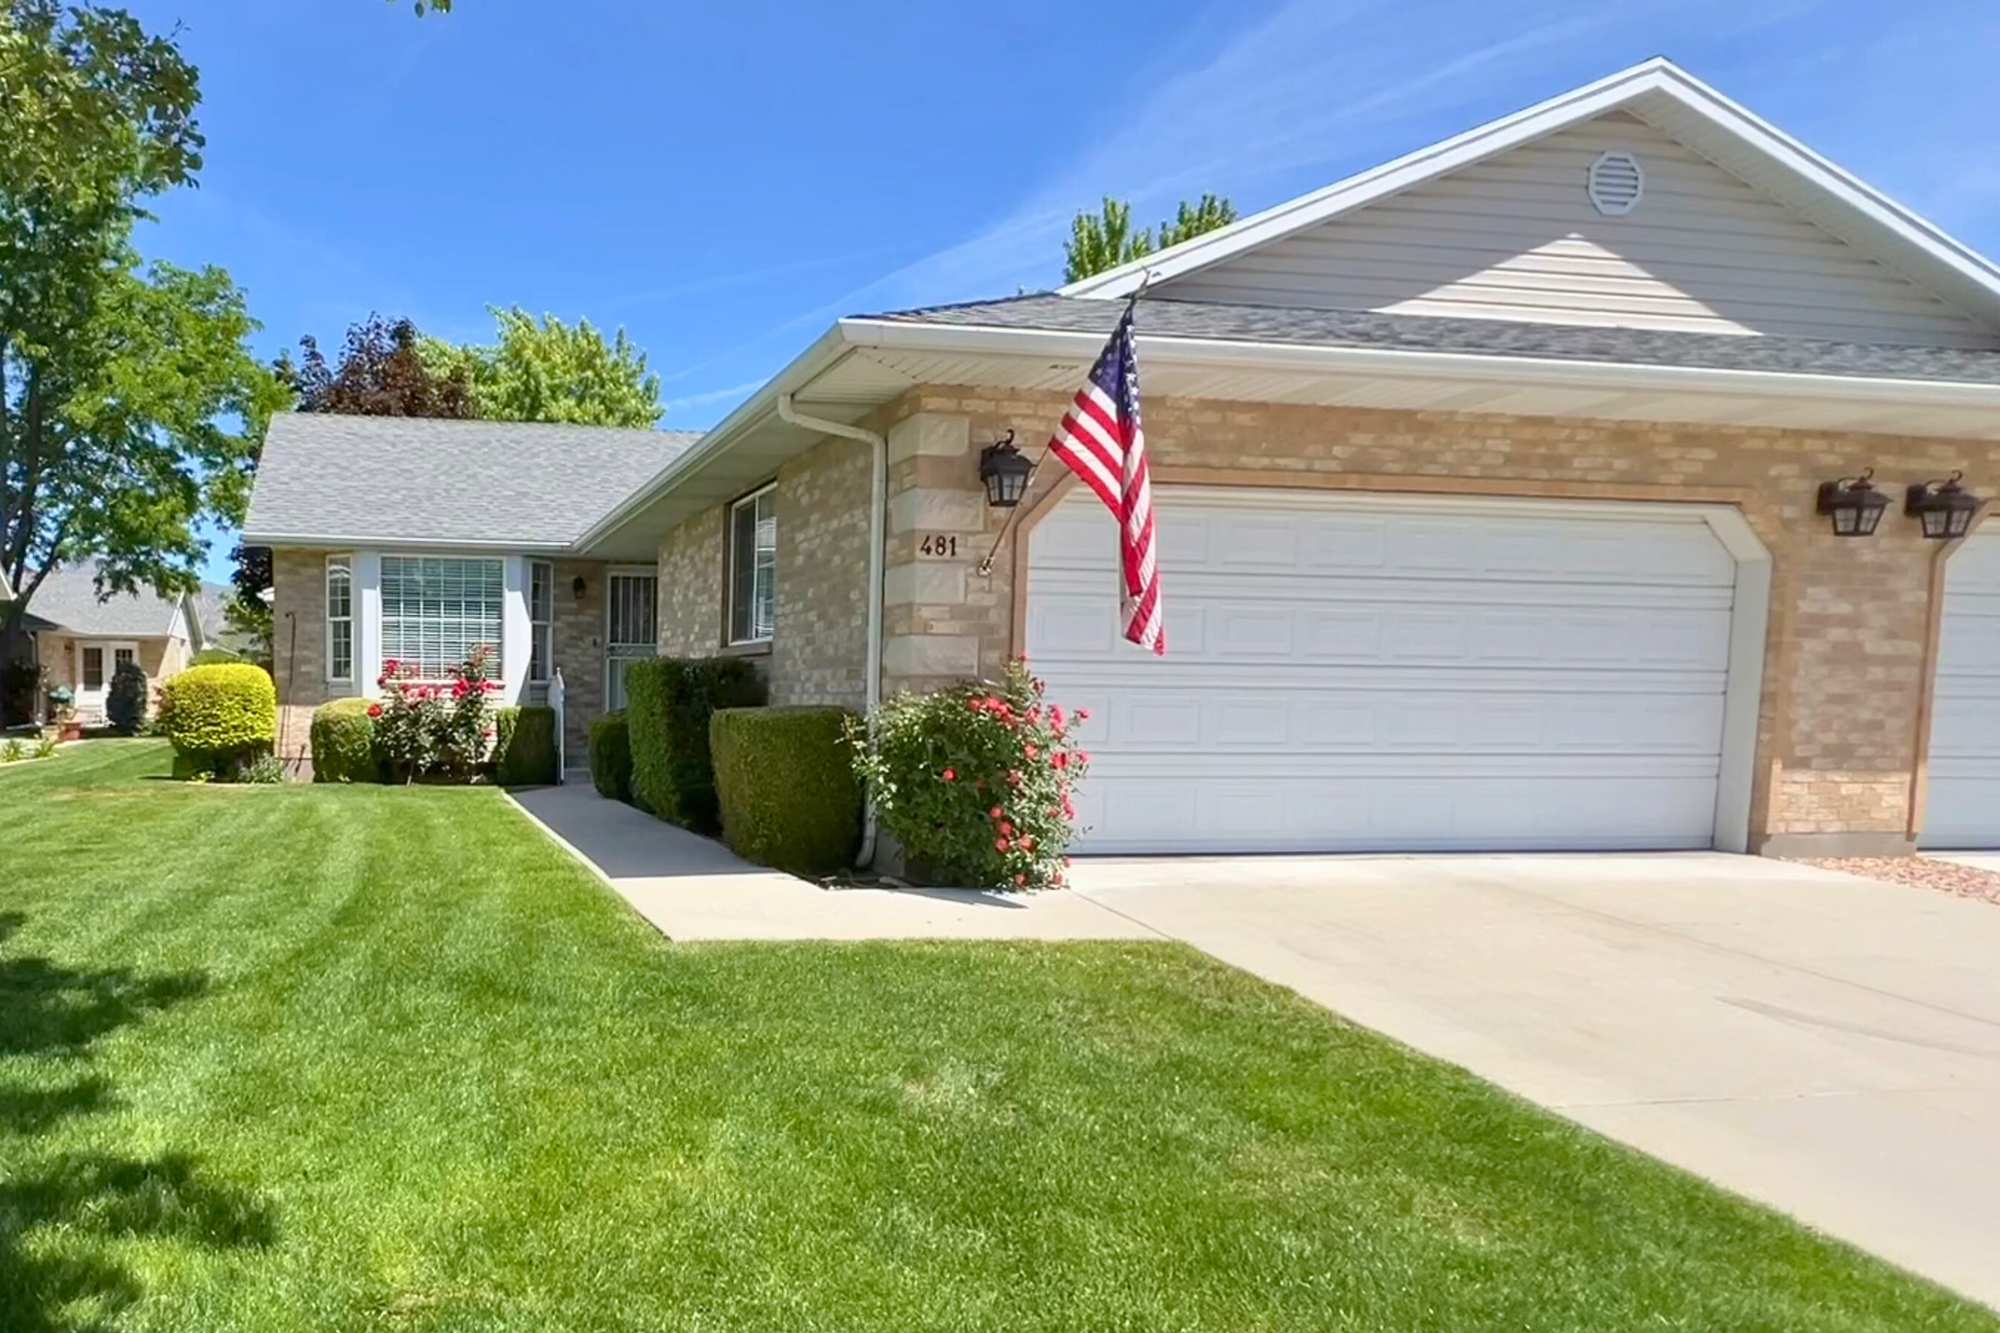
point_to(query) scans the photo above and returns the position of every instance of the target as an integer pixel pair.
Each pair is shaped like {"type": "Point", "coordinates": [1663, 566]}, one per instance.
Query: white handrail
{"type": "Point", "coordinates": [556, 704]}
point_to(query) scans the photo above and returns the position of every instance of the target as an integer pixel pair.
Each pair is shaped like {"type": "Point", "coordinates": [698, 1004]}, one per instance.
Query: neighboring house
{"type": "Point", "coordinates": [79, 638]}
{"type": "Point", "coordinates": [213, 603]}
{"type": "Point", "coordinates": [1486, 487]}
{"type": "Point", "coordinates": [418, 540]}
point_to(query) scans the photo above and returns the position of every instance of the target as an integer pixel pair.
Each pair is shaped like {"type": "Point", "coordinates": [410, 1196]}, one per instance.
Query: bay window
{"type": "Point", "coordinates": [541, 619]}
{"type": "Point", "coordinates": [437, 609]}
{"type": "Point", "coordinates": [339, 619]}
{"type": "Point", "coordinates": [753, 567]}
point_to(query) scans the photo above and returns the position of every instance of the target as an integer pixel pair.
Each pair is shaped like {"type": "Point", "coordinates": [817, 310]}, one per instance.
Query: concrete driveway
{"type": "Point", "coordinates": [1825, 1044]}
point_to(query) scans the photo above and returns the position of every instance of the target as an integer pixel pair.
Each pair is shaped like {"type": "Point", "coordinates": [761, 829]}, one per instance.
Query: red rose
{"type": "Point", "coordinates": [996, 812]}
{"type": "Point", "coordinates": [1028, 843]}
{"type": "Point", "coordinates": [1014, 777]}
{"type": "Point", "coordinates": [1031, 751]}
{"type": "Point", "coordinates": [949, 775]}
{"type": "Point", "coordinates": [1083, 715]}
{"type": "Point", "coordinates": [1006, 829]}
{"type": "Point", "coordinates": [999, 844]}
{"type": "Point", "coordinates": [1020, 880]}
{"type": "Point", "coordinates": [1056, 716]}
{"type": "Point", "coordinates": [374, 710]}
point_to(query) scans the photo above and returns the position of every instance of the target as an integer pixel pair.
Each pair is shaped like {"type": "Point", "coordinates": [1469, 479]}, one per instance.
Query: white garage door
{"type": "Point", "coordinates": [1351, 672]}
{"type": "Point", "coordinates": [1963, 807]}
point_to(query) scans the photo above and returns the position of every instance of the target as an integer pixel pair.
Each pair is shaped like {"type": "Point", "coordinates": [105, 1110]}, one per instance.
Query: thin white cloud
{"type": "Point", "coordinates": [703, 399]}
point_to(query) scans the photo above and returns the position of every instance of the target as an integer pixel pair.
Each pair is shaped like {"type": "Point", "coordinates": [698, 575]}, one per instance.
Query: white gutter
{"type": "Point", "coordinates": [338, 541]}
{"type": "Point", "coordinates": [1384, 363]}
{"type": "Point", "coordinates": [878, 503]}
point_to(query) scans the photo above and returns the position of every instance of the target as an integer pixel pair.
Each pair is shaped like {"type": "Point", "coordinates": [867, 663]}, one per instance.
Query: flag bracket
{"type": "Point", "coordinates": [985, 566]}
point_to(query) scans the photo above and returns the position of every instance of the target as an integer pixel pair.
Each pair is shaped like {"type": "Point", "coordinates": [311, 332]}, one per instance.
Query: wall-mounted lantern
{"type": "Point", "coordinates": [1005, 470]}
{"type": "Point", "coordinates": [1854, 505]}
{"type": "Point", "coordinates": [1945, 508]}
{"type": "Point", "coordinates": [577, 587]}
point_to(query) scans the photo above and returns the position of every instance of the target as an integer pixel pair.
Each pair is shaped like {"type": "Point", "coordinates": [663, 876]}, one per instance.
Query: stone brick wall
{"type": "Point", "coordinates": [690, 588]}
{"type": "Point", "coordinates": [820, 641]}
{"type": "Point", "coordinates": [298, 652]}
{"type": "Point", "coordinates": [578, 632]}
{"type": "Point", "coordinates": [1847, 657]}
{"type": "Point", "coordinates": [818, 648]}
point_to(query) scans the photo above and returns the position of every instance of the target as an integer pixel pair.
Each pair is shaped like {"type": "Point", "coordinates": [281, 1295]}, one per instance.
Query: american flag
{"type": "Point", "coordinates": [1101, 440]}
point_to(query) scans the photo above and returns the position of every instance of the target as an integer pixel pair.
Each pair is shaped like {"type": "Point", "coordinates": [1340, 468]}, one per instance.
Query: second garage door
{"type": "Point", "coordinates": [1354, 672]}
{"type": "Point", "coordinates": [1963, 807]}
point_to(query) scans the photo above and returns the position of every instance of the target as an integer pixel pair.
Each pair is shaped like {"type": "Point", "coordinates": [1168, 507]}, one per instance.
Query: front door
{"type": "Point", "coordinates": [96, 662]}
{"type": "Point", "coordinates": [631, 634]}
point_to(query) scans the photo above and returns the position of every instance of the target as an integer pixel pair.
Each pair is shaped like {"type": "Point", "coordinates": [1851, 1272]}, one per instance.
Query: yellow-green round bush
{"type": "Point", "coordinates": [220, 712]}
{"type": "Point", "coordinates": [785, 781]}
{"type": "Point", "coordinates": [343, 742]}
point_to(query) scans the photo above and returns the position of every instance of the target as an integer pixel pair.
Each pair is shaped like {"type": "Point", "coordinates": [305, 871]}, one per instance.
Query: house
{"type": "Point", "coordinates": [414, 540]}
{"type": "Point", "coordinates": [1489, 488]}
{"type": "Point", "coordinates": [80, 637]}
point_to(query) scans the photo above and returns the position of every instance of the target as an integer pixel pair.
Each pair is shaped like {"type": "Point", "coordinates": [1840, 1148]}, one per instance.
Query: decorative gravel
{"type": "Point", "coordinates": [1922, 872]}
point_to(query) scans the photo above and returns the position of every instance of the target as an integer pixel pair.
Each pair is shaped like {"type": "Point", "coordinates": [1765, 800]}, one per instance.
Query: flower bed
{"type": "Point", "coordinates": [976, 782]}
{"type": "Point", "coordinates": [427, 728]}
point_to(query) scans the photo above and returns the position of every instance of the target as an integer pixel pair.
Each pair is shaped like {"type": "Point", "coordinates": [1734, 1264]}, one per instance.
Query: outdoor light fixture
{"type": "Point", "coordinates": [1945, 508]}
{"type": "Point", "coordinates": [577, 586]}
{"type": "Point", "coordinates": [1005, 471]}
{"type": "Point", "coordinates": [1854, 505]}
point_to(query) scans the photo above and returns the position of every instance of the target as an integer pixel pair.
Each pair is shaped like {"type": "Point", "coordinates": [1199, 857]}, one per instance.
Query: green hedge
{"type": "Point", "coordinates": [524, 746]}
{"type": "Point", "coordinates": [611, 756]}
{"type": "Point", "coordinates": [343, 742]}
{"type": "Point", "coordinates": [668, 701]}
{"type": "Point", "coordinates": [787, 787]}
{"type": "Point", "coordinates": [218, 714]}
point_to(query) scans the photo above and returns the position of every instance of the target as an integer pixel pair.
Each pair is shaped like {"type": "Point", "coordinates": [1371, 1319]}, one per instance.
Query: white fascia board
{"type": "Point", "coordinates": [1658, 76]}
{"type": "Point", "coordinates": [1377, 362]}
{"type": "Point", "coordinates": [319, 541]}
{"type": "Point", "coordinates": [802, 369]}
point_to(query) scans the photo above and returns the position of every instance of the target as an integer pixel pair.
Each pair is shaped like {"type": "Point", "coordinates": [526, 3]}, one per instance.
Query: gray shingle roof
{"type": "Point", "coordinates": [1165, 318]}
{"type": "Point", "coordinates": [67, 599]}
{"type": "Point", "coordinates": [340, 478]}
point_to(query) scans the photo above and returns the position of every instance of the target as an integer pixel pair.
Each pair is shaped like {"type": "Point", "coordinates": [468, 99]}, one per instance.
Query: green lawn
{"type": "Point", "coordinates": [331, 1058]}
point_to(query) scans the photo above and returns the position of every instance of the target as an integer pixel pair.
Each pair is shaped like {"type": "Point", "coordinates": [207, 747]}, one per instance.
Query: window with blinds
{"type": "Point", "coordinates": [437, 609]}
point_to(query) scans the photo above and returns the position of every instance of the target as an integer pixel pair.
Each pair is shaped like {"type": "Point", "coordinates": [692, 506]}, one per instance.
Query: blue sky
{"type": "Point", "coordinates": [725, 180]}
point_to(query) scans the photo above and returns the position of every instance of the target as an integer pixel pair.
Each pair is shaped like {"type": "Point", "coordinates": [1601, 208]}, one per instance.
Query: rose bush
{"type": "Point", "coordinates": [976, 781]}
{"type": "Point", "coordinates": [435, 727]}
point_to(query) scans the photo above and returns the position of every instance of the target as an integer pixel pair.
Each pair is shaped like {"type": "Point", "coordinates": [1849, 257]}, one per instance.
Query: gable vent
{"type": "Point", "coordinates": [1616, 182]}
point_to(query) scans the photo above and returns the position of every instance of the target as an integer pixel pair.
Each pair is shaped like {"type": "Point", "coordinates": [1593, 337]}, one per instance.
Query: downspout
{"type": "Point", "coordinates": [878, 503]}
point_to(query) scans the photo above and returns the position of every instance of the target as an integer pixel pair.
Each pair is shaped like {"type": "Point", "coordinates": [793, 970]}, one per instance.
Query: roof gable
{"type": "Point", "coordinates": [68, 600]}
{"type": "Point", "coordinates": [1741, 230]}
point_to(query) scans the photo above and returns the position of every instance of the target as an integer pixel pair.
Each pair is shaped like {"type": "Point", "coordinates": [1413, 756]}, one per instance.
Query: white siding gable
{"type": "Point", "coordinates": [1516, 237]}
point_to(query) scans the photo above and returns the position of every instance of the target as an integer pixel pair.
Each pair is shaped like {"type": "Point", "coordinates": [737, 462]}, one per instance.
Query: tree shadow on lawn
{"type": "Point", "coordinates": [49, 1010]}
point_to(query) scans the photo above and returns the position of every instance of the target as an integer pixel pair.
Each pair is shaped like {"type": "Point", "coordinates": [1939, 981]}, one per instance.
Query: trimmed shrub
{"type": "Point", "coordinates": [215, 657]}
{"type": "Point", "coordinates": [611, 756]}
{"type": "Point", "coordinates": [786, 785]}
{"type": "Point", "coordinates": [343, 742]}
{"type": "Point", "coordinates": [524, 746]}
{"type": "Point", "coordinates": [668, 701]}
{"type": "Point", "coordinates": [217, 715]}
{"type": "Point", "coordinates": [125, 701]}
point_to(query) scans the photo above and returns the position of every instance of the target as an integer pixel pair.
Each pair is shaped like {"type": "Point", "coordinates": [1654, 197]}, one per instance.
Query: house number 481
{"type": "Point", "coordinates": [938, 546]}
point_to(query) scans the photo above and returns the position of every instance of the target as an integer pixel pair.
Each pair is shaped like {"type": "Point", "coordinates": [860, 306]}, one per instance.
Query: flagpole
{"type": "Point", "coordinates": [985, 566]}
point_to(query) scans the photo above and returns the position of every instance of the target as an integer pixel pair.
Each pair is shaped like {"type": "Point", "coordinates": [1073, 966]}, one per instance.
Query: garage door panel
{"type": "Point", "coordinates": [1962, 805]}
{"type": "Point", "coordinates": [1343, 678]}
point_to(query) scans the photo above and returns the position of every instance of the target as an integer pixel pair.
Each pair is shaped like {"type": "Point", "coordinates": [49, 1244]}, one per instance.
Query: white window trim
{"type": "Point", "coordinates": [729, 584]}
{"type": "Point", "coordinates": [345, 564]}
{"type": "Point", "coordinates": [507, 645]}
{"type": "Point", "coordinates": [548, 569]}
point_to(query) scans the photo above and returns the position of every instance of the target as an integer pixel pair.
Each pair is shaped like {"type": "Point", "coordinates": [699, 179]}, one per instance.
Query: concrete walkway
{"type": "Point", "coordinates": [694, 888]}
{"type": "Point", "coordinates": [1976, 860]}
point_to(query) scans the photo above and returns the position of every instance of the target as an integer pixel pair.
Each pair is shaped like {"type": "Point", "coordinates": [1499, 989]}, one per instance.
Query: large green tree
{"type": "Point", "coordinates": [547, 370]}
{"type": "Point", "coordinates": [129, 400]}
{"type": "Point", "coordinates": [1105, 239]}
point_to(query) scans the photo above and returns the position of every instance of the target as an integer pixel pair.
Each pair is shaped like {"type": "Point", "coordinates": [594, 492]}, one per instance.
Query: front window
{"type": "Point", "coordinates": [753, 567]}
{"type": "Point", "coordinates": [437, 609]}
{"type": "Point", "coordinates": [339, 619]}
{"type": "Point", "coordinates": [542, 615]}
